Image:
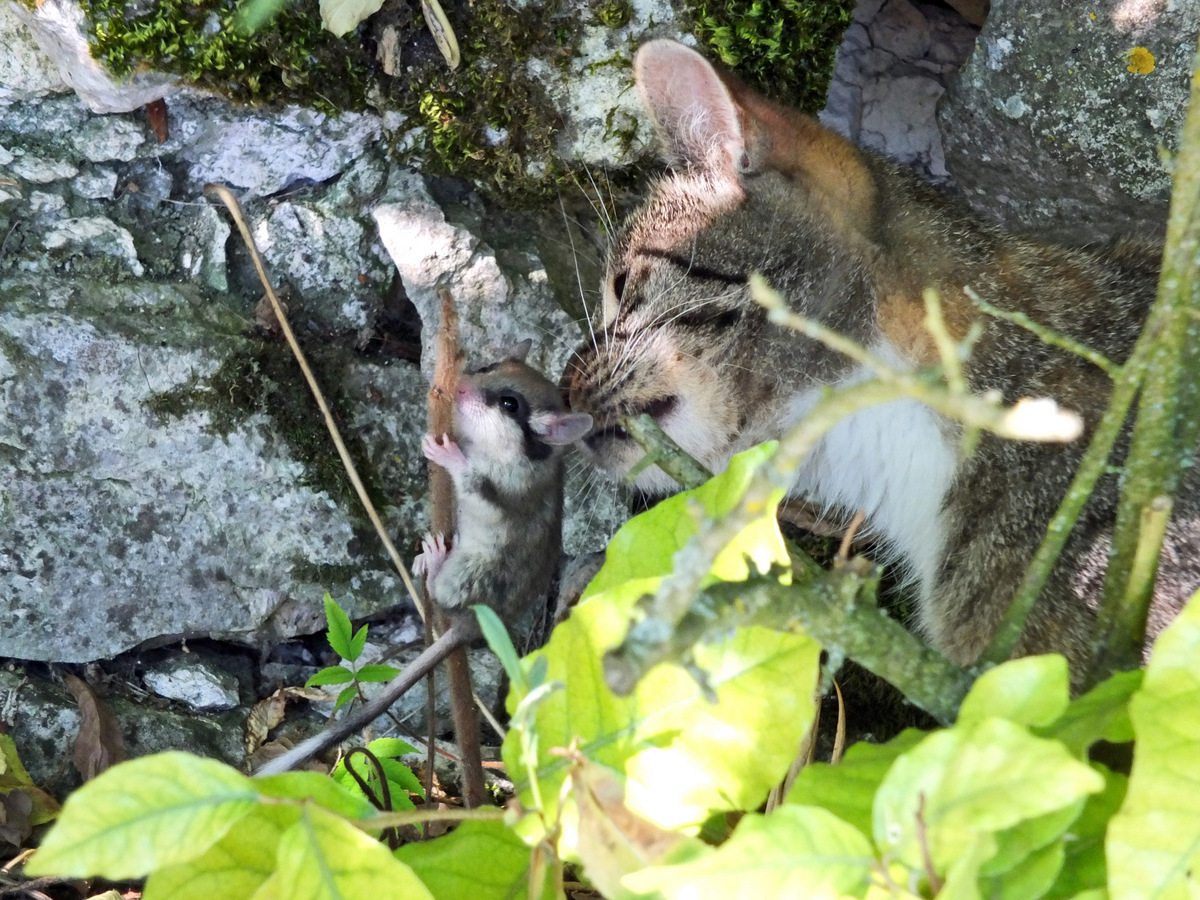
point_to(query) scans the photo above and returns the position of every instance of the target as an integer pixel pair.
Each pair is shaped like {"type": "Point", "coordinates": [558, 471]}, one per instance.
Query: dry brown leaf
{"type": "Point", "coordinates": [613, 840]}
{"type": "Point", "coordinates": [156, 111]}
{"type": "Point", "coordinates": [15, 825]}
{"type": "Point", "coordinates": [264, 715]}
{"type": "Point", "coordinates": [99, 745]}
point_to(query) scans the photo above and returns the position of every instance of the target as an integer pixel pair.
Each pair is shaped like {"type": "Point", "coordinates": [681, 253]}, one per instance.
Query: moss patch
{"type": "Point", "coordinates": [487, 120]}
{"type": "Point", "coordinates": [784, 48]}
{"type": "Point", "coordinates": [263, 378]}
{"type": "Point", "coordinates": [292, 59]}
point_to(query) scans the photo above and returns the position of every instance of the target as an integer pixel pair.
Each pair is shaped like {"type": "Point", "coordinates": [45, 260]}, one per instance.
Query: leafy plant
{"type": "Point", "coordinates": [348, 644]}
{"type": "Point", "coordinates": [1004, 803]}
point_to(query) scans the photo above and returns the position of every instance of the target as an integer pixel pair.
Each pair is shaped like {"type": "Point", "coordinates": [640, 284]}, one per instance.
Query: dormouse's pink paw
{"type": "Point", "coordinates": [433, 556]}
{"type": "Point", "coordinates": [445, 452]}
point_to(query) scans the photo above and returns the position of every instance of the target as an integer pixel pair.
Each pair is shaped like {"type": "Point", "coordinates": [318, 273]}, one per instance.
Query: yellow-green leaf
{"type": "Point", "coordinates": [322, 857]}
{"type": "Point", "coordinates": [797, 851]}
{"type": "Point", "coordinates": [145, 814]}
{"type": "Point", "coordinates": [1153, 843]}
{"type": "Point", "coordinates": [1033, 690]}
{"type": "Point", "coordinates": [236, 866]}
{"type": "Point", "coordinates": [479, 860]}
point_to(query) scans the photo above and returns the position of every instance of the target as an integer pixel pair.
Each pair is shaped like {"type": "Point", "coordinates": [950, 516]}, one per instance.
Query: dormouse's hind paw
{"type": "Point", "coordinates": [445, 452]}
{"type": "Point", "coordinates": [433, 556]}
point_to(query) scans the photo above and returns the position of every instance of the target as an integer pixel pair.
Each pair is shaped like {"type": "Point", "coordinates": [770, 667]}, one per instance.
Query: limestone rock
{"type": "Point", "coordinates": [1055, 123]}
{"type": "Point", "coordinates": [193, 681]}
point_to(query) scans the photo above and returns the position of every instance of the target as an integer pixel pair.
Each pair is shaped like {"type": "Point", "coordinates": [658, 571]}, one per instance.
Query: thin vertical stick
{"type": "Point", "coordinates": [441, 492]}
{"type": "Point", "coordinates": [235, 211]}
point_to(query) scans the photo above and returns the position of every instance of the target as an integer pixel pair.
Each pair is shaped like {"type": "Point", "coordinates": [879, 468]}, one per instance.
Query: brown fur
{"type": "Point", "coordinates": [851, 240]}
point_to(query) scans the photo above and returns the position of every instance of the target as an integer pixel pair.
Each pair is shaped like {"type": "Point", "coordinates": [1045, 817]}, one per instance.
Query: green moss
{"type": "Point", "coordinates": [263, 378]}
{"type": "Point", "coordinates": [613, 13]}
{"type": "Point", "coordinates": [785, 48]}
{"type": "Point", "coordinates": [492, 91]}
{"type": "Point", "coordinates": [292, 59]}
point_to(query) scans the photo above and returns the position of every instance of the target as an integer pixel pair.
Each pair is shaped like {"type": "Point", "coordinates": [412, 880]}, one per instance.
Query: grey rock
{"type": "Point", "coordinates": [1046, 127]}
{"type": "Point", "coordinates": [43, 721]}
{"type": "Point", "coordinates": [890, 72]}
{"type": "Point", "coordinates": [57, 27]}
{"type": "Point", "coordinates": [26, 72]}
{"type": "Point", "coordinates": [193, 681]}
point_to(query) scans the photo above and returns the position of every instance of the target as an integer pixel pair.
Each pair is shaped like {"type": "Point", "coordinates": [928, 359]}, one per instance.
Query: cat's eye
{"type": "Point", "coordinates": [619, 284]}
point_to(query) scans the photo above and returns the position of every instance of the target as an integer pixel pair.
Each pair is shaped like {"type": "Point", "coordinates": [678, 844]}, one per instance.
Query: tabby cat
{"type": "Point", "coordinates": [850, 239]}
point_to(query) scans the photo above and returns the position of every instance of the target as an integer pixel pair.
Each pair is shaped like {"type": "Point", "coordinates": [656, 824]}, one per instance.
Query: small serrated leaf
{"type": "Point", "coordinates": [345, 696]}
{"type": "Point", "coordinates": [330, 675]}
{"type": "Point", "coordinates": [340, 631]}
{"type": "Point", "coordinates": [376, 672]}
{"type": "Point", "coordinates": [358, 642]}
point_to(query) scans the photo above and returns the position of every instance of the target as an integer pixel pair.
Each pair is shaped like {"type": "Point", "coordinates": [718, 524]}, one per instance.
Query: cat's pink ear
{"type": "Point", "coordinates": [693, 112]}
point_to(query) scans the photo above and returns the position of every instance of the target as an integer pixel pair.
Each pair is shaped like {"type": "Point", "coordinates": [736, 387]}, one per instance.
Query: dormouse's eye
{"type": "Point", "coordinates": [510, 404]}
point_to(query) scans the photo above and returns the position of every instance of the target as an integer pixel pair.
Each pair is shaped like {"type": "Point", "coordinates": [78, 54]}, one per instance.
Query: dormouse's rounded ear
{"type": "Point", "coordinates": [518, 351]}
{"type": "Point", "coordinates": [561, 428]}
{"type": "Point", "coordinates": [694, 114]}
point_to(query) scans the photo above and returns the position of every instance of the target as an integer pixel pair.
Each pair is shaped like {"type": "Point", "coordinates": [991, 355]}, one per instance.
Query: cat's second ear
{"type": "Point", "coordinates": [693, 112]}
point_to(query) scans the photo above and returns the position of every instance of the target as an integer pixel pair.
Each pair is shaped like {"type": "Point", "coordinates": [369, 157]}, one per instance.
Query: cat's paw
{"type": "Point", "coordinates": [433, 556]}
{"type": "Point", "coordinates": [444, 452]}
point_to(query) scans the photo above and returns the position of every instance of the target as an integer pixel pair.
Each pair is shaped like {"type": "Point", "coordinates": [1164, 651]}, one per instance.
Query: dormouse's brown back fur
{"type": "Point", "coordinates": [851, 239]}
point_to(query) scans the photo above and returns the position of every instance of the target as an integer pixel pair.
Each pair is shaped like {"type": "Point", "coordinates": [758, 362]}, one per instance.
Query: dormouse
{"type": "Point", "coordinates": [851, 239]}
{"type": "Point", "coordinates": [507, 470]}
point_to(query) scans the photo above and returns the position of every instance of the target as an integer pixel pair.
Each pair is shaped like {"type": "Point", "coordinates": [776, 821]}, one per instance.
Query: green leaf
{"type": "Point", "coordinates": [330, 675]}
{"type": "Point", "coordinates": [340, 16]}
{"type": "Point", "coordinates": [358, 642]}
{"type": "Point", "coordinates": [376, 672]}
{"type": "Point", "coordinates": [848, 789]}
{"type": "Point", "coordinates": [323, 857]}
{"type": "Point", "coordinates": [1085, 868]}
{"type": "Point", "coordinates": [685, 757]}
{"type": "Point", "coordinates": [1033, 690]}
{"type": "Point", "coordinates": [316, 788]}
{"type": "Point", "coordinates": [1102, 714]}
{"type": "Point", "coordinates": [962, 875]}
{"type": "Point", "coordinates": [1017, 844]}
{"type": "Point", "coordinates": [346, 695]}
{"type": "Point", "coordinates": [501, 644]}
{"type": "Point", "coordinates": [1031, 879]}
{"type": "Point", "coordinates": [978, 778]}
{"type": "Point", "coordinates": [143, 815]}
{"type": "Point", "coordinates": [797, 851]}
{"type": "Point", "coordinates": [383, 747]}
{"type": "Point", "coordinates": [236, 866]}
{"type": "Point", "coordinates": [1154, 841]}
{"type": "Point", "coordinates": [340, 634]}
{"type": "Point", "coordinates": [451, 868]}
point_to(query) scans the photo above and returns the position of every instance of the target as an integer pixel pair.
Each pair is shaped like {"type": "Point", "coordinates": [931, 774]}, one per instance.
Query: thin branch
{"type": "Point", "coordinates": [1168, 421]}
{"type": "Point", "coordinates": [442, 514]}
{"type": "Point", "coordinates": [1091, 467]}
{"type": "Point", "coordinates": [663, 452]}
{"type": "Point", "coordinates": [236, 212]}
{"type": "Point", "coordinates": [1047, 335]}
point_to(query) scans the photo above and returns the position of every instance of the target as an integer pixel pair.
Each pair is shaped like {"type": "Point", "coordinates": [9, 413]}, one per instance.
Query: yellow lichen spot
{"type": "Point", "coordinates": [1092, 16]}
{"type": "Point", "coordinates": [1141, 61]}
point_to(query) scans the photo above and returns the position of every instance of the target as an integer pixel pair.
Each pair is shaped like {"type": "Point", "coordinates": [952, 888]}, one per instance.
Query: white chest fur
{"type": "Point", "coordinates": [895, 461]}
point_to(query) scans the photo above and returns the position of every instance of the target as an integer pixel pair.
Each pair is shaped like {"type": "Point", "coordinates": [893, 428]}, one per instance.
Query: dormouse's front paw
{"type": "Point", "coordinates": [433, 556]}
{"type": "Point", "coordinates": [445, 452]}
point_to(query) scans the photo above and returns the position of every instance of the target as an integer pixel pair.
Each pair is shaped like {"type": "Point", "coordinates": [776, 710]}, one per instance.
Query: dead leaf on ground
{"type": "Point", "coordinates": [264, 715]}
{"type": "Point", "coordinates": [15, 809]}
{"type": "Point", "coordinates": [99, 745]}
